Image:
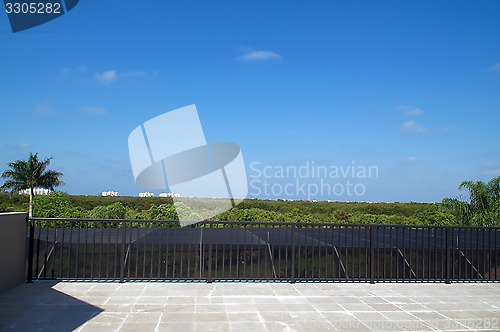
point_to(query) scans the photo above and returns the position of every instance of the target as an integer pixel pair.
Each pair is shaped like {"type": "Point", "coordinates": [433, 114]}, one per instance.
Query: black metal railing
{"type": "Point", "coordinates": [127, 250]}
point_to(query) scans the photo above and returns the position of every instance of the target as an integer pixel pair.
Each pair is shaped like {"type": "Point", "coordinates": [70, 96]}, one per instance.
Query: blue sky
{"type": "Point", "coordinates": [411, 87]}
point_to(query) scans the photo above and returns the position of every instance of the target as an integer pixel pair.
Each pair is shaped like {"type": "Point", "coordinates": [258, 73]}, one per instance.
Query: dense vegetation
{"type": "Point", "coordinates": [60, 205]}
{"type": "Point", "coordinates": [481, 207]}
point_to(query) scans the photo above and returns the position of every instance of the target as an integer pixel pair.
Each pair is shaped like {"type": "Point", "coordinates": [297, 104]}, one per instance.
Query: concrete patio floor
{"type": "Point", "coordinates": [90, 306]}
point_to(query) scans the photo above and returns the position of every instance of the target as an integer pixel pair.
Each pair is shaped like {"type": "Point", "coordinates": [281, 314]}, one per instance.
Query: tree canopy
{"type": "Point", "coordinates": [481, 207]}
{"type": "Point", "coordinates": [30, 174]}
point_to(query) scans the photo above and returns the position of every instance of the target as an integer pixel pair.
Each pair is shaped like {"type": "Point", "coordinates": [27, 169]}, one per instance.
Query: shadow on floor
{"type": "Point", "coordinates": [39, 307]}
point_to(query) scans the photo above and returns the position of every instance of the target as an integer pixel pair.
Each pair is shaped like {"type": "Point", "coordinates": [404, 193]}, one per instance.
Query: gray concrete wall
{"type": "Point", "coordinates": [12, 249]}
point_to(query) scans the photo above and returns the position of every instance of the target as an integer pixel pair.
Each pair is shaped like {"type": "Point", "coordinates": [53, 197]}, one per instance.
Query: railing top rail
{"type": "Point", "coordinates": [271, 223]}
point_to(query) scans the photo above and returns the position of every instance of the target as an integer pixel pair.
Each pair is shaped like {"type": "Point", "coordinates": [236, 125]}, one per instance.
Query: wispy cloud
{"type": "Point", "coordinates": [71, 71]}
{"type": "Point", "coordinates": [134, 74]}
{"type": "Point", "coordinates": [495, 68]}
{"type": "Point", "coordinates": [106, 76]}
{"type": "Point", "coordinates": [490, 164]}
{"type": "Point", "coordinates": [24, 145]}
{"type": "Point", "coordinates": [413, 127]}
{"type": "Point", "coordinates": [93, 110]}
{"type": "Point", "coordinates": [44, 109]}
{"type": "Point", "coordinates": [412, 159]}
{"type": "Point", "coordinates": [445, 130]}
{"type": "Point", "coordinates": [410, 110]}
{"type": "Point", "coordinates": [260, 56]}
{"type": "Point", "coordinates": [492, 168]}
{"type": "Point", "coordinates": [493, 172]}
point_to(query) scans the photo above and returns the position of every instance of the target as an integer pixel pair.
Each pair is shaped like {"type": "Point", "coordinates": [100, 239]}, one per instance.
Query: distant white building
{"type": "Point", "coordinates": [36, 191]}
{"type": "Point", "coordinates": [146, 194]}
{"type": "Point", "coordinates": [170, 195]}
{"type": "Point", "coordinates": [109, 193]}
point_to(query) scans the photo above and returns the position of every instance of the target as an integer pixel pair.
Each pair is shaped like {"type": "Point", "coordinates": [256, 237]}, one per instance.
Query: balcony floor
{"type": "Point", "coordinates": [141, 306]}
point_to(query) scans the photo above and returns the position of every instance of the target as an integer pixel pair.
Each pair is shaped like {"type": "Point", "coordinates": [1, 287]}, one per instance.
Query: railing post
{"type": "Point", "coordinates": [448, 254]}
{"type": "Point", "coordinates": [372, 254]}
{"type": "Point", "coordinates": [122, 259]}
{"type": "Point", "coordinates": [209, 271]}
{"type": "Point", "coordinates": [292, 276]}
{"type": "Point", "coordinates": [31, 241]}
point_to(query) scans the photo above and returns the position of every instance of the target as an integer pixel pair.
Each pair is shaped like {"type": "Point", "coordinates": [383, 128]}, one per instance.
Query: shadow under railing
{"type": "Point", "coordinates": [39, 306]}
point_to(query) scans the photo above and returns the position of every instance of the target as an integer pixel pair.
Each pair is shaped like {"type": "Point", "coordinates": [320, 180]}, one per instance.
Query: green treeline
{"type": "Point", "coordinates": [60, 205]}
{"type": "Point", "coordinates": [480, 208]}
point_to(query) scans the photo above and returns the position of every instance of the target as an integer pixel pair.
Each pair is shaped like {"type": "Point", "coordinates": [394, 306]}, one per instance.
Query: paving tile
{"type": "Point", "coordinates": [210, 307]}
{"type": "Point", "coordinates": [427, 315]}
{"type": "Point", "coordinates": [212, 326]}
{"type": "Point", "coordinates": [446, 325]}
{"type": "Point", "coordinates": [98, 327]}
{"type": "Point", "coordinates": [109, 317]}
{"type": "Point", "coordinates": [271, 307]}
{"type": "Point", "coordinates": [147, 308]}
{"type": "Point", "coordinates": [122, 300]}
{"type": "Point", "coordinates": [143, 317]}
{"type": "Point", "coordinates": [134, 327]}
{"type": "Point", "coordinates": [253, 316]}
{"type": "Point", "coordinates": [266, 300]}
{"type": "Point", "coordinates": [412, 307]}
{"type": "Point", "coordinates": [209, 317]}
{"type": "Point", "coordinates": [175, 326]}
{"type": "Point", "coordinates": [177, 300]}
{"type": "Point", "coordinates": [276, 326]}
{"type": "Point", "coordinates": [189, 308]}
{"type": "Point", "coordinates": [356, 307]}
{"type": "Point", "coordinates": [307, 316]}
{"type": "Point", "coordinates": [231, 307]}
{"type": "Point", "coordinates": [314, 326]}
{"type": "Point", "coordinates": [176, 317]}
{"type": "Point", "coordinates": [339, 316]}
{"type": "Point", "coordinates": [349, 325]}
{"type": "Point", "coordinates": [398, 316]}
{"type": "Point", "coordinates": [328, 307]}
{"type": "Point", "coordinates": [369, 317]}
{"type": "Point", "coordinates": [385, 307]}
{"type": "Point", "coordinates": [153, 300]}
{"type": "Point", "coordinates": [237, 326]}
{"type": "Point", "coordinates": [299, 307]}
{"type": "Point", "coordinates": [372, 300]}
{"type": "Point", "coordinates": [143, 306]}
{"type": "Point", "coordinates": [117, 307]}
{"type": "Point", "coordinates": [346, 299]}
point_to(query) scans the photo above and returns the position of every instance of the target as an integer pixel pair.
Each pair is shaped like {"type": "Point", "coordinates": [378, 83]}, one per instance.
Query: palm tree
{"type": "Point", "coordinates": [30, 174]}
{"type": "Point", "coordinates": [483, 205]}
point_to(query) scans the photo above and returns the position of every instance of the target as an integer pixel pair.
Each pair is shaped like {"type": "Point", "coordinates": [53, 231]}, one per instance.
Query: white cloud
{"type": "Point", "coordinates": [44, 109]}
{"type": "Point", "coordinates": [134, 74]}
{"type": "Point", "coordinates": [76, 70]}
{"type": "Point", "coordinates": [93, 110]}
{"type": "Point", "coordinates": [490, 164]}
{"type": "Point", "coordinates": [259, 56]}
{"type": "Point", "coordinates": [413, 127]}
{"type": "Point", "coordinates": [494, 172]}
{"type": "Point", "coordinates": [410, 110]}
{"type": "Point", "coordinates": [22, 145]}
{"type": "Point", "coordinates": [445, 130]}
{"type": "Point", "coordinates": [493, 169]}
{"type": "Point", "coordinates": [412, 159]}
{"type": "Point", "coordinates": [106, 76]}
{"type": "Point", "coordinates": [495, 68]}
